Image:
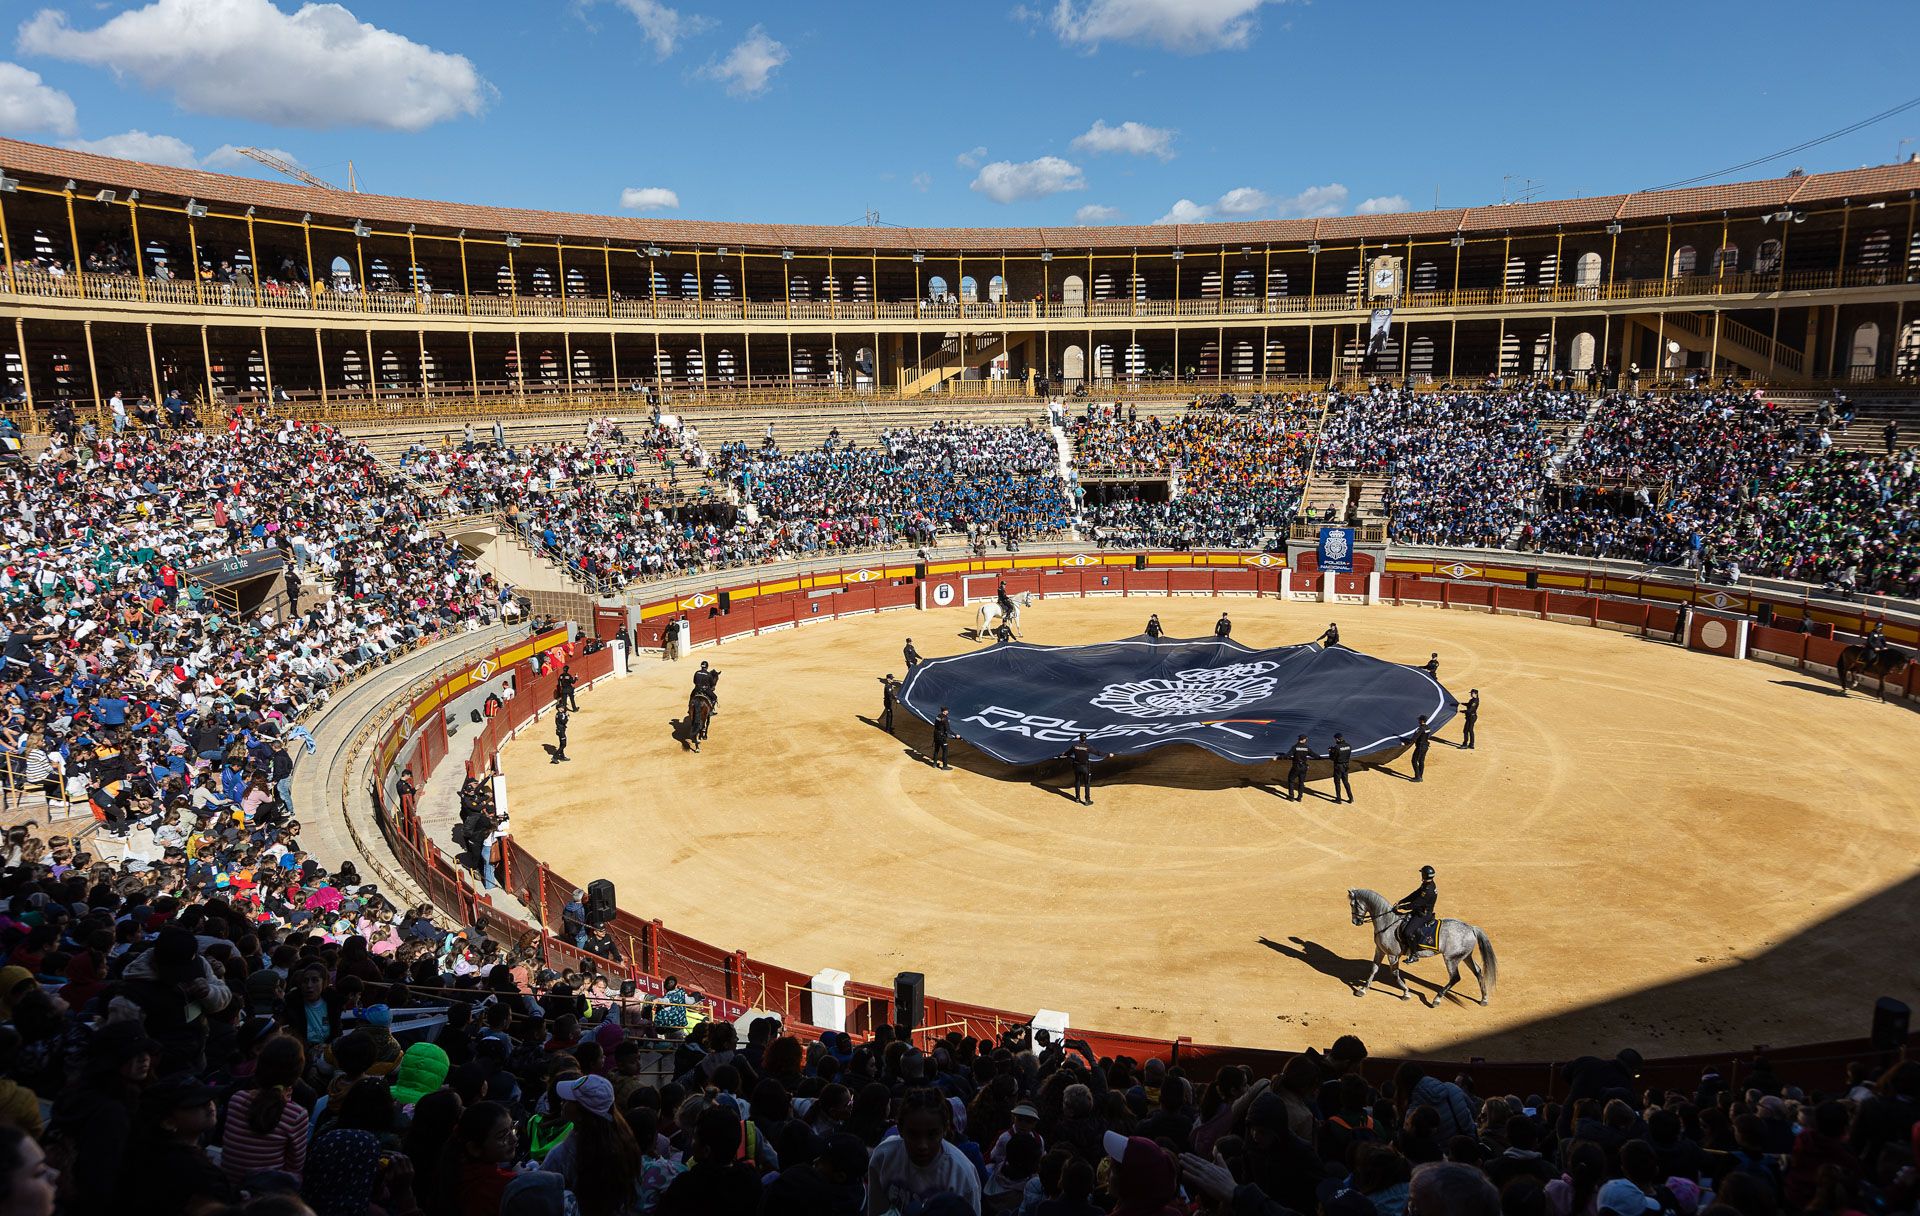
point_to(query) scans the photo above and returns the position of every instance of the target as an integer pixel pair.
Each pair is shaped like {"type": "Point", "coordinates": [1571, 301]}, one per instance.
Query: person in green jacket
{"type": "Point", "coordinates": [423, 1069]}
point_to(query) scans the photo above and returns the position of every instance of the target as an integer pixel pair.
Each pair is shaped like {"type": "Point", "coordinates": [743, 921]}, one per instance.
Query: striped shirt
{"type": "Point", "coordinates": [283, 1148]}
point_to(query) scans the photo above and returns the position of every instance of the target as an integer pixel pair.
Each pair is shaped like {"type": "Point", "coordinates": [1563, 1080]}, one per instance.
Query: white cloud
{"type": "Point", "coordinates": [749, 67]}
{"type": "Point", "coordinates": [1186, 26]}
{"type": "Point", "coordinates": [971, 158]}
{"type": "Point", "coordinates": [1186, 211]}
{"type": "Point", "coordinates": [1005, 181]}
{"type": "Point", "coordinates": [1314, 202]}
{"type": "Point", "coordinates": [922, 181]}
{"type": "Point", "coordinates": [138, 145]}
{"type": "Point", "coordinates": [1384, 204]}
{"type": "Point", "coordinates": [1243, 200]}
{"type": "Point", "coordinates": [1132, 138]}
{"type": "Point", "coordinates": [318, 67]}
{"type": "Point", "coordinates": [29, 104]}
{"type": "Point", "coordinates": [648, 198]}
{"type": "Point", "coordinates": [1096, 213]}
{"type": "Point", "coordinates": [663, 26]}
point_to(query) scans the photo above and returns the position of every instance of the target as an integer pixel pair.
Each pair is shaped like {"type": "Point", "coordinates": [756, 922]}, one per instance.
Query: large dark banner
{"type": "Point", "coordinates": [1025, 704]}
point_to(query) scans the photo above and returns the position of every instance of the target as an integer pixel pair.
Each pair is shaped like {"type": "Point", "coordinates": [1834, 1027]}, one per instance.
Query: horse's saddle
{"type": "Point", "coordinates": [1422, 934]}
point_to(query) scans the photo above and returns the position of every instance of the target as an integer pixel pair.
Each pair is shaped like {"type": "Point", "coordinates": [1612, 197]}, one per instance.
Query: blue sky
{"type": "Point", "coordinates": [1037, 112]}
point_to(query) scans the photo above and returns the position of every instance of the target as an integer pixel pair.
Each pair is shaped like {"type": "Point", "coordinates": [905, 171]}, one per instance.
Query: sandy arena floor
{"type": "Point", "coordinates": [1668, 849]}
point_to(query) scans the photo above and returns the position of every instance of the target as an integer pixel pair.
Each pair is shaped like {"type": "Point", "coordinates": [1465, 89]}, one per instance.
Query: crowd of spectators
{"type": "Point", "coordinates": [1232, 473]}
{"type": "Point", "coordinates": [1464, 467]}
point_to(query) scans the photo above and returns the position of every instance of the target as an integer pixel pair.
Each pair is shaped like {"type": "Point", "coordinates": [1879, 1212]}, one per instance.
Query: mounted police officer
{"type": "Point", "coordinates": [707, 680]}
{"type": "Point", "coordinates": [1417, 931]}
{"type": "Point", "coordinates": [1006, 601]}
{"type": "Point", "coordinates": [1876, 641]}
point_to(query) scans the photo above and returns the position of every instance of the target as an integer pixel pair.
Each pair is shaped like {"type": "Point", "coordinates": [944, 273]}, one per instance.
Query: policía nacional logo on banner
{"type": "Point", "coordinates": [943, 594]}
{"type": "Point", "coordinates": [1337, 547]}
{"type": "Point", "coordinates": [1200, 690]}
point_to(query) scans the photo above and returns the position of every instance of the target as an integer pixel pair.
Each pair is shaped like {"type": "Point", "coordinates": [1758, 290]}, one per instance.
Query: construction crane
{"type": "Point", "coordinates": [282, 165]}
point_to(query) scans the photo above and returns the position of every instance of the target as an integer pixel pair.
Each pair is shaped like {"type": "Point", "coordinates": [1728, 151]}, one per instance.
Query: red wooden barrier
{"type": "Point", "coordinates": [1190, 581]}
{"type": "Point", "coordinates": [1151, 582]}
{"type": "Point", "coordinates": [1060, 582]}
{"type": "Point", "coordinates": [1242, 581]}
{"type": "Point", "coordinates": [899, 593]}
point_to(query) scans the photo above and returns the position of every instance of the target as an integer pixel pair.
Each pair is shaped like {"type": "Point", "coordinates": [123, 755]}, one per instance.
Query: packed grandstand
{"type": "Point", "coordinates": [201, 1011]}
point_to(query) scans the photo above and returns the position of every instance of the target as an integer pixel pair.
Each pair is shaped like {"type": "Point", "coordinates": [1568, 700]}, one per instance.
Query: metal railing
{"type": "Point", "coordinates": [272, 295]}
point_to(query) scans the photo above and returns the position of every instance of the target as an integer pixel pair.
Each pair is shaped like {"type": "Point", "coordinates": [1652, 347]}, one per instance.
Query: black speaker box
{"type": "Point", "coordinates": [1890, 1020]}
{"type": "Point", "coordinates": [599, 901]}
{"type": "Point", "coordinates": [909, 1001]}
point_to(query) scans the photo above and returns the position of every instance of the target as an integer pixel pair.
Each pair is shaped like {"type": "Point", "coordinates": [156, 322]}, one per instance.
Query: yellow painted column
{"type": "Point", "coordinates": [20, 343]}
{"type": "Point", "coordinates": [93, 373]}
{"type": "Point", "coordinates": [513, 288]}
{"type": "Point", "coordinates": [360, 269]}
{"type": "Point", "coordinates": [266, 360]}
{"type": "Point", "coordinates": [7, 253]}
{"type": "Point", "coordinates": [253, 264]}
{"type": "Point", "coordinates": [313, 282]}
{"type": "Point", "coordinates": [466, 290]}
{"type": "Point", "coordinates": [320, 361]}
{"type": "Point", "coordinates": [560, 261]}
{"type": "Point", "coordinates": [426, 384]}
{"type": "Point", "coordinates": [193, 250]}
{"type": "Point", "coordinates": [519, 370]}
{"type": "Point", "coordinates": [473, 367]}
{"type": "Point", "coordinates": [413, 271]}
{"type": "Point", "coordinates": [206, 358]}
{"type": "Point", "coordinates": [153, 366]}
{"type": "Point", "coordinates": [139, 254]}
{"type": "Point", "coordinates": [372, 364]}
{"type": "Point", "coordinates": [73, 233]}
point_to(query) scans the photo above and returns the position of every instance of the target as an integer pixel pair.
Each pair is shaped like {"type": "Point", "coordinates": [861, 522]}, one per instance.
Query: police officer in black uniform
{"type": "Point", "coordinates": [1332, 636]}
{"type": "Point", "coordinates": [1082, 757]}
{"type": "Point", "coordinates": [1422, 740]}
{"type": "Point", "coordinates": [1432, 665]}
{"type": "Point", "coordinates": [1003, 632]}
{"type": "Point", "coordinates": [889, 689]}
{"type": "Point", "coordinates": [942, 733]}
{"type": "Point", "coordinates": [1417, 929]}
{"type": "Point", "coordinates": [1470, 713]}
{"type": "Point", "coordinates": [1006, 601]}
{"type": "Point", "coordinates": [1223, 627]}
{"type": "Point", "coordinates": [1341, 753]}
{"type": "Point", "coordinates": [1876, 640]}
{"type": "Point", "coordinates": [561, 717]}
{"type": "Point", "coordinates": [912, 655]}
{"type": "Point", "coordinates": [1153, 627]}
{"type": "Point", "coordinates": [563, 687]}
{"type": "Point", "coordinates": [707, 680]}
{"type": "Point", "coordinates": [1297, 757]}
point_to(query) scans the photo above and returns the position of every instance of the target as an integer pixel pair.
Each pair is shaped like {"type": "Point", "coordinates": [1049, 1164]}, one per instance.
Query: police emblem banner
{"type": "Point", "coordinates": [1336, 550]}
{"type": "Point", "coordinates": [1023, 704]}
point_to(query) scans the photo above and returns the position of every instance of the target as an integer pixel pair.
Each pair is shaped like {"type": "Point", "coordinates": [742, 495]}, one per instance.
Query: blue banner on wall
{"type": "Point", "coordinates": [1336, 550]}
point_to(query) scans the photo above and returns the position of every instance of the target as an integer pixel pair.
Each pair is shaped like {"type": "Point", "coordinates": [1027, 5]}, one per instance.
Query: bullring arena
{"type": "Point", "coordinates": [1652, 783]}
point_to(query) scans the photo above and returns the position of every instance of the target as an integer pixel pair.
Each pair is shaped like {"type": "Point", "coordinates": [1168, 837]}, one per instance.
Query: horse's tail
{"type": "Point", "coordinates": [1489, 965]}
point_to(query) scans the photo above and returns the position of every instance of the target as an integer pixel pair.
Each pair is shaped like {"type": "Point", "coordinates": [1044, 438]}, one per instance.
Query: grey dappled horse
{"type": "Point", "coordinates": [1457, 942]}
{"type": "Point", "coordinates": [983, 620]}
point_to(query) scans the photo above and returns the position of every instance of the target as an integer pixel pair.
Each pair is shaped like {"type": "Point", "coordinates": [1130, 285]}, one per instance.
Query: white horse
{"type": "Point", "coordinates": [1457, 941]}
{"type": "Point", "coordinates": [989, 615]}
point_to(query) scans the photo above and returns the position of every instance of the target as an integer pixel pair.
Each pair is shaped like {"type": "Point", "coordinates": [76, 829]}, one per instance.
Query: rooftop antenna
{"type": "Point", "coordinates": [1529, 188]}
{"type": "Point", "coordinates": [872, 218]}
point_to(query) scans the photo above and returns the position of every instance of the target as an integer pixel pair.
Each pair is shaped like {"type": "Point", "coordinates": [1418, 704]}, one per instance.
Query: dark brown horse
{"type": "Point", "coordinates": [1859, 661]}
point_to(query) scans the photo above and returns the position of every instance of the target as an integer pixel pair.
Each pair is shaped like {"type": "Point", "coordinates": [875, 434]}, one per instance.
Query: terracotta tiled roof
{"type": "Point", "coordinates": [384, 211]}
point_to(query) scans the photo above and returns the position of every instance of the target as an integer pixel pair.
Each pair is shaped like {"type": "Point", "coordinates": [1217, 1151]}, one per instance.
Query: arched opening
{"type": "Point", "coordinates": [1726, 260]}
{"type": "Point", "coordinates": [1684, 260]}
{"type": "Point", "coordinates": [937, 288]}
{"type": "Point", "coordinates": [1906, 360]}
{"type": "Point", "coordinates": [1103, 286]}
{"type": "Point", "coordinates": [689, 285]}
{"type": "Point", "coordinates": [576, 282]}
{"type": "Point", "coordinates": [1137, 285]}
{"type": "Point", "coordinates": [1103, 362]}
{"type": "Point", "coordinates": [662, 367]}
{"type": "Point", "coordinates": [379, 276]}
{"type": "Point", "coordinates": [547, 366]}
{"type": "Point", "coordinates": [1426, 277]}
{"type": "Point", "coordinates": [802, 364]}
{"type": "Point", "coordinates": [1580, 352]}
{"type": "Point", "coordinates": [696, 369]}
{"type": "Point", "coordinates": [159, 261]}
{"type": "Point", "coordinates": [1586, 270]}
{"type": "Point", "coordinates": [1243, 368]}
{"type": "Point", "coordinates": [657, 282]}
{"type": "Point", "coordinates": [582, 367]}
{"type": "Point", "coordinates": [1136, 361]}
{"type": "Point", "coordinates": [1350, 356]}
{"type": "Point", "coordinates": [1766, 259]}
{"type": "Point", "coordinates": [1245, 283]}
{"type": "Point", "coordinates": [1549, 272]}
{"type": "Point", "coordinates": [1516, 273]}
{"type": "Point", "coordinates": [969, 289]}
{"type": "Point", "coordinates": [1276, 359]}
{"type": "Point", "coordinates": [996, 289]}
{"type": "Point", "coordinates": [353, 372]}
{"type": "Point", "coordinates": [722, 288]}
{"type": "Point", "coordinates": [1073, 290]}
{"type": "Point", "coordinates": [1210, 285]}
{"type": "Point", "coordinates": [1073, 364]}
{"type": "Point", "coordinates": [1420, 358]}
{"type": "Point", "coordinates": [393, 371]}
{"type": "Point", "coordinates": [430, 372]}
{"type": "Point", "coordinates": [340, 272]}
{"type": "Point", "coordinates": [542, 281]}
{"type": "Point", "coordinates": [256, 373]}
{"type": "Point", "coordinates": [1209, 366]}
{"type": "Point", "coordinates": [830, 289]}
{"type": "Point", "coordinates": [1876, 248]}
{"type": "Point", "coordinates": [1276, 284]}
{"type": "Point", "coordinates": [1353, 280]}
{"type": "Point", "coordinates": [799, 289]}
{"type": "Point", "coordinates": [503, 280]}
{"type": "Point", "coordinates": [861, 289]}
{"type": "Point", "coordinates": [418, 280]}
{"type": "Point", "coordinates": [1866, 351]}
{"type": "Point", "coordinates": [863, 365]}
{"type": "Point", "coordinates": [723, 369]}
